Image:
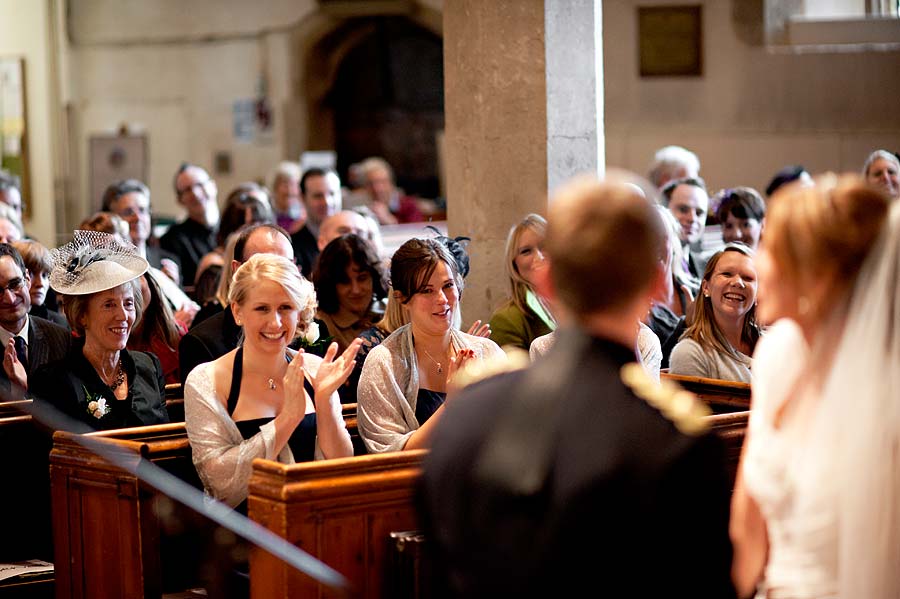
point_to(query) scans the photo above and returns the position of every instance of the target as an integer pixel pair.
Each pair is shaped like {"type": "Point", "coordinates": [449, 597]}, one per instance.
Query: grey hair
{"type": "Point", "coordinates": [668, 159]}
{"type": "Point", "coordinates": [884, 154]}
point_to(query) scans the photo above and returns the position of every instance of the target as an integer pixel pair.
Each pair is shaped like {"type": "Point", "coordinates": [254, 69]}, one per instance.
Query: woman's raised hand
{"type": "Point", "coordinates": [333, 372]}
{"type": "Point", "coordinates": [294, 393]}
{"type": "Point", "coordinates": [480, 330]}
{"type": "Point", "coordinates": [457, 364]}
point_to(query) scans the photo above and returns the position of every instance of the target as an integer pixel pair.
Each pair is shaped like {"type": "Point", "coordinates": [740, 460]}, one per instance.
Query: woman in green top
{"type": "Point", "coordinates": [525, 316]}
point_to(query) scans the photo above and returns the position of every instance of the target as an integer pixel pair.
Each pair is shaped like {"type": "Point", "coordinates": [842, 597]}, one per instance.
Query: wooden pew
{"type": "Point", "coordinates": [352, 513]}
{"type": "Point", "coordinates": [103, 515]}
{"type": "Point", "coordinates": [722, 396]}
{"type": "Point", "coordinates": [25, 500]}
{"type": "Point", "coordinates": [731, 428]}
{"type": "Point", "coordinates": [106, 523]}
{"type": "Point", "coordinates": [340, 511]}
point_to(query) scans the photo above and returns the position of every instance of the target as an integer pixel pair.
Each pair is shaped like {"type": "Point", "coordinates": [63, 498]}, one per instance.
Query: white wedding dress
{"type": "Point", "coordinates": [827, 478]}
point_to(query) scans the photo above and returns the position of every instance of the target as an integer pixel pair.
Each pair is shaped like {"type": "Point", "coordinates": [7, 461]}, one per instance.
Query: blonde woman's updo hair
{"type": "Point", "coordinates": [277, 269]}
{"type": "Point", "coordinates": [822, 234]}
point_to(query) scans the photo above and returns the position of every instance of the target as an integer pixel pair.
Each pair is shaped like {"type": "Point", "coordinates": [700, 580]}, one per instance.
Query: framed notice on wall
{"type": "Point", "coordinates": [670, 41]}
{"type": "Point", "coordinates": [14, 126]}
{"type": "Point", "coordinates": [113, 158]}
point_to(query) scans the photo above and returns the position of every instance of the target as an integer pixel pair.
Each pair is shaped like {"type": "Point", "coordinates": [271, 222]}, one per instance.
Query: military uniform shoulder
{"type": "Point", "coordinates": [681, 407]}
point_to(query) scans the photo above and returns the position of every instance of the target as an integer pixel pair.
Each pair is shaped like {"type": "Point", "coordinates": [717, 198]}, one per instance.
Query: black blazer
{"type": "Point", "coordinates": [69, 385]}
{"type": "Point", "coordinates": [306, 250]}
{"type": "Point", "coordinates": [47, 342]}
{"type": "Point", "coordinates": [212, 338]}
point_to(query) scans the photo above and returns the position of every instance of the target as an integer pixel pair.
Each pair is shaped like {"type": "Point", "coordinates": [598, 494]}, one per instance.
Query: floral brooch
{"type": "Point", "coordinates": [97, 406]}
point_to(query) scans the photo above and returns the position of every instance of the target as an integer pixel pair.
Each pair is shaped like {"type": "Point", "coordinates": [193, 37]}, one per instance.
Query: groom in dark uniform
{"type": "Point", "coordinates": [578, 476]}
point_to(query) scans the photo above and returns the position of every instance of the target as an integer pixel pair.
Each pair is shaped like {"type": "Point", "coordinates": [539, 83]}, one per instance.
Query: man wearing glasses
{"type": "Point", "coordinates": [195, 237]}
{"type": "Point", "coordinates": [28, 341]}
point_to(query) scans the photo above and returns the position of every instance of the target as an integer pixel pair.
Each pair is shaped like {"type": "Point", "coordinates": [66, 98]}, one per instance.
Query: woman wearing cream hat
{"type": "Point", "coordinates": [99, 382]}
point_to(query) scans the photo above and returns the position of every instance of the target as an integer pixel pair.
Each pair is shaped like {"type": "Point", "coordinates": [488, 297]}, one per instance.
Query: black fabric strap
{"type": "Point", "coordinates": [237, 373]}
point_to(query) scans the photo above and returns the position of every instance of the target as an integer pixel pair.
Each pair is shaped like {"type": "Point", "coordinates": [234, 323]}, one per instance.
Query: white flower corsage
{"type": "Point", "coordinates": [97, 406]}
{"type": "Point", "coordinates": [312, 333]}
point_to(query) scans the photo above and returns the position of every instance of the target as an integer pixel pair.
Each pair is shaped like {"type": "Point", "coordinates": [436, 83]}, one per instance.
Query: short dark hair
{"type": "Point", "coordinates": [244, 234]}
{"type": "Point", "coordinates": [669, 188]}
{"type": "Point", "coordinates": [783, 177]}
{"type": "Point", "coordinates": [7, 249]}
{"type": "Point", "coordinates": [331, 269]}
{"type": "Point", "coordinates": [312, 172]}
{"type": "Point", "coordinates": [234, 213]}
{"type": "Point", "coordinates": [742, 202]}
{"type": "Point", "coordinates": [120, 188]}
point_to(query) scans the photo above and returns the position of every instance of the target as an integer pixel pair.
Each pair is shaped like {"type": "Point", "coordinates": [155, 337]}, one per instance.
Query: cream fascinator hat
{"type": "Point", "coordinates": [93, 262]}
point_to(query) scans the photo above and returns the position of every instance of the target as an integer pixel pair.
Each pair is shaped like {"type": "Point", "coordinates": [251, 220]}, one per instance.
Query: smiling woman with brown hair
{"type": "Point", "coordinates": [349, 283]}
{"type": "Point", "coordinates": [722, 329]}
{"type": "Point", "coordinates": [405, 380]}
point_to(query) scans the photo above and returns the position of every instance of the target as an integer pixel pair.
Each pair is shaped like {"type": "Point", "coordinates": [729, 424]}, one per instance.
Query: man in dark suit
{"type": "Point", "coordinates": [321, 193]}
{"type": "Point", "coordinates": [219, 334]}
{"type": "Point", "coordinates": [28, 341]}
{"type": "Point", "coordinates": [579, 476]}
{"type": "Point", "coordinates": [194, 237]}
{"type": "Point", "coordinates": [688, 201]}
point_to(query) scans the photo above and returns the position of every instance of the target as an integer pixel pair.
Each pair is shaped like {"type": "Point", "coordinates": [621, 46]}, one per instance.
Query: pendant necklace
{"type": "Point", "coordinates": [440, 369]}
{"type": "Point", "coordinates": [271, 384]}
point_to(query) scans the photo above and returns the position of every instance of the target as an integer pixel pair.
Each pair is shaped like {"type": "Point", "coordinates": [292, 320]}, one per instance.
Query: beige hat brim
{"type": "Point", "coordinates": [100, 275]}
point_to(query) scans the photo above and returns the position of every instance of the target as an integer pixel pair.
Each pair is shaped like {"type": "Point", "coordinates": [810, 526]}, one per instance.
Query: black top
{"type": "Point", "coordinates": [71, 385]}
{"type": "Point", "coordinates": [306, 250]}
{"type": "Point", "coordinates": [189, 241]}
{"type": "Point", "coordinates": [303, 439]}
{"type": "Point", "coordinates": [47, 342]}
{"type": "Point", "coordinates": [155, 256]}
{"type": "Point", "coordinates": [556, 479]}
{"type": "Point", "coordinates": [427, 403]}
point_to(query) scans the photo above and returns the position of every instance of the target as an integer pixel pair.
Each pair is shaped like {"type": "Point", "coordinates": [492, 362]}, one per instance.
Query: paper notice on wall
{"type": "Point", "coordinates": [322, 159]}
{"type": "Point", "coordinates": [244, 116]}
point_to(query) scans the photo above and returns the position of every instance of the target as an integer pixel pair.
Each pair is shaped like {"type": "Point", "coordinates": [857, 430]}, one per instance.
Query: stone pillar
{"type": "Point", "coordinates": [522, 111]}
{"type": "Point", "coordinates": [574, 64]}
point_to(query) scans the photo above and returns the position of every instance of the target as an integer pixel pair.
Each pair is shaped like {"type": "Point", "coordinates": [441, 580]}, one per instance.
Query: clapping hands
{"type": "Point", "coordinates": [333, 372]}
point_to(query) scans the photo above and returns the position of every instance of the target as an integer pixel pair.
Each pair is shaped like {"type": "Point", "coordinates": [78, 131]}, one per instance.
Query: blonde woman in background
{"type": "Point", "coordinates": [525, 316]}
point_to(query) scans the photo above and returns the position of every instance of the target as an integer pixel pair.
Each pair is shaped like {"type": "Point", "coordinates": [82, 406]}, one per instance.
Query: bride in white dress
{"type": "Point", "coordinates": [816, 508]}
